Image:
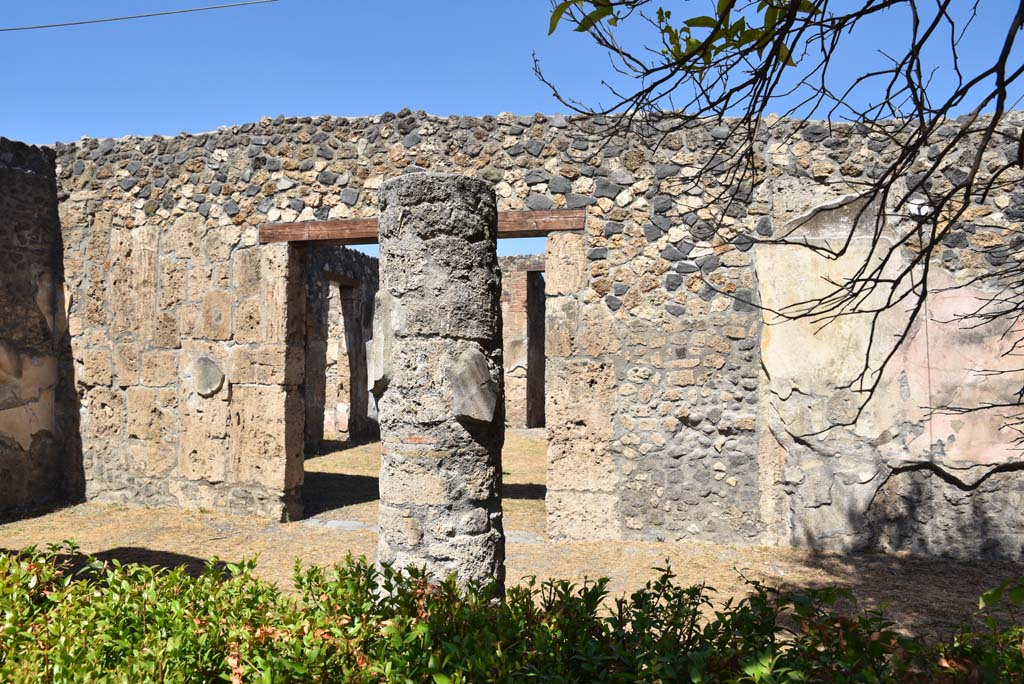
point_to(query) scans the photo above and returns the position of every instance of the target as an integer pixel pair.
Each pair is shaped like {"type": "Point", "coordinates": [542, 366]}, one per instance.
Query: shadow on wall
{"type": "Point", "coordinates": [926, 510]}
{"type": "Point", "coordinates": [40, 442]}
{"type": "Point", "coordinates": [69, 413]}
{"type": "Point", "coordinates": [532, 492]}
{"type": "Point", "coordinates": [922, 509]}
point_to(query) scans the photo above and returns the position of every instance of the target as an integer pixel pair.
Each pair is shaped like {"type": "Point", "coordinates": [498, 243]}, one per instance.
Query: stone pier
{"type": "Point", "coordinates": [435, 366]}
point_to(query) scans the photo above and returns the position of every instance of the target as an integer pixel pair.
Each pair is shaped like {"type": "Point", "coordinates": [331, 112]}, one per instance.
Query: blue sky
{"type": "Point", "coordinates": [196, 72]}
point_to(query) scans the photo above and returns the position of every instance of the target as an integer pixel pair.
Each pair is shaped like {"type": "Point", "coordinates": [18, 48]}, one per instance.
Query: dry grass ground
{"type": "Point", "coordinates": [341, 491]}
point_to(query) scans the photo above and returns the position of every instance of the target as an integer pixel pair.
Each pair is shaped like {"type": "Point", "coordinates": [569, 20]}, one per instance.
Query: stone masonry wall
{"type": "Point", "coordinates": [901, 477]}
{"type": "Point", "coordinates": [516, 339]}
{"type": "Point", "coordinates": [661, 422]}
{"type": "Point", "coordinates": [187, 336]}
{"type": "Point", "coordinates": [32, 331]}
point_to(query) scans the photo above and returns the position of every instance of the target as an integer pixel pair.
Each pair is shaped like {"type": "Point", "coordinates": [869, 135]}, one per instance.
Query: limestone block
{"type": "Point", "coordinates": [172, 282]}
{"type": "Point", "coordinates": [247, 322]}
{"type": "Point", "coordinates": [279, 311]}
{"type": "Point", "coordinates": [598, 331]}
{"type": "Point", "coordinates": [190, 315]}
{"type": "Point", "coordinates": [404, 526]}
{"type": "Point", "coordinates": [264, 446]}
{"type": "Point", "coordinates": [581, 465]}
{"type": "Point", "coordinates": [202, 459]}
{"type": "Point", "coordinates": [155, 459]}
{"type": "Point", "coordinates": [97, 367]}
{"type": "Point", "coordinates": [266, 365]}
{"type": "Point", "coordinates": [682, 378]}
{"type": "Point", "coordinates": [561, 325]}
{"type": "Point", "coordinates": [203, 450]}
{"type": "Point", "coordinates": [583, 516]}
{"type": "Point", "coordinates": [479, 485]}
{"type": "Point", "coordinates": [127, 364]}
{"type": "Point", "coordinates": [217, 315]}
{"type": "Point", "coordinates": [406, 482]}
{"type": "Point", "coordinates": [514, 352]}
{"type": "Point", "coordinates": [580, 398]}
{"type": "Point", "coordinates": [168, 333]}
{"type": "Point", "coordinates": [159, 368]}
{"type": "Point", "coordinates": [246, 272]}
{"type": "Point", "coordinates": [419, 365]}
{"type": "Point", "coordinates": [471, 555]}
{"type": "Point", "coordinates": [103, 413]}
{"type": "Point", "coordinates": [133, 281]}
{"type": "Point", "coordinates": [152, 413]}
{"type": "Point", "coordinates": [566, 264]}
{"type": "Point", "coordinates": [294, 472]}
{"type": "Point", "coordinates": [199, 281]}
{"type": "Point", "coordinates": [276, 260]}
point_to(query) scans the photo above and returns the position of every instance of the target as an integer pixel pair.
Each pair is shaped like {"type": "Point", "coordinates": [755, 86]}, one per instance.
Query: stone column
{"type": "Point", "coordinates": [435, 365]}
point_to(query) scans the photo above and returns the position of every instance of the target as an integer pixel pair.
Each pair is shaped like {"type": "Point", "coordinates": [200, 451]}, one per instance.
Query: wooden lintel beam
{"type": "Point", "coordinates": [364, 231]}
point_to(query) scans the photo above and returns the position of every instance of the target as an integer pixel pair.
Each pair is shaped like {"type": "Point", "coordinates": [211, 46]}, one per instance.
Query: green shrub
{"type": "Point", "coordinates": [109, 622]}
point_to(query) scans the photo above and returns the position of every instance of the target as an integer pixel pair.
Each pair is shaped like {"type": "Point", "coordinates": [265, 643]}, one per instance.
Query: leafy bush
{"type": "Point", "coordinates": [355, 623]}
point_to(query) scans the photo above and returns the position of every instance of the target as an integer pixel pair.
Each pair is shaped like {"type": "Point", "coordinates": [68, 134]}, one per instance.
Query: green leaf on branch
{"type": "Point", "coordinates": [602, 11]}
{"type": "Point", "coordinates": [559, 11]}
{"type": "Point", "coordinates": [702, 22]}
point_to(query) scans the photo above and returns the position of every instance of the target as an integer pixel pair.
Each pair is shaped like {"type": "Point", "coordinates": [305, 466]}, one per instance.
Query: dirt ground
{"type": "Point", "coordinates": [922, 595]}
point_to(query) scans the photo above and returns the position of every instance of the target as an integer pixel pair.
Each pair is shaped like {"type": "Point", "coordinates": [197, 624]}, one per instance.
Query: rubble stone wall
{"type": "Point", "coordinates": [32, 330]}
{"type": "Point", "coordinates": [662, 422]}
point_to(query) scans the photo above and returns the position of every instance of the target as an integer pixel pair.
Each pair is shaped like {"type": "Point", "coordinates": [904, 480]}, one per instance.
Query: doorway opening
{"type": "Point", "coordinates": [338, 319]}
{"type": "Point", "coordinates": [340, 417]}
{"type": "Point", "coordinates": [524, 457]}
{"type": "Point", "coordinates": [523, 321]}
{"type": "Point", "coordinates": [343, 460]}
